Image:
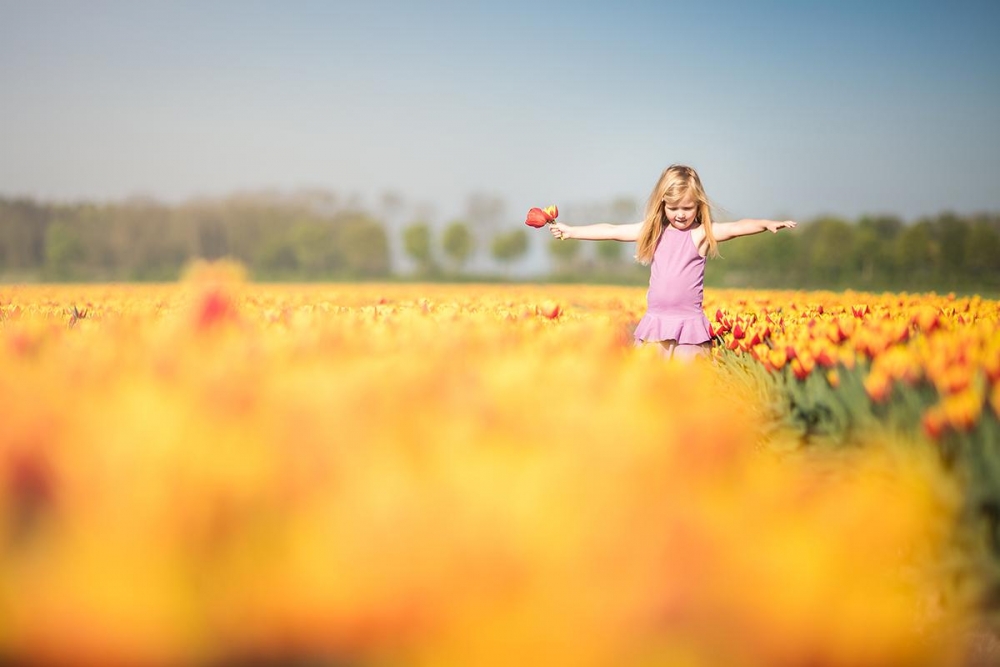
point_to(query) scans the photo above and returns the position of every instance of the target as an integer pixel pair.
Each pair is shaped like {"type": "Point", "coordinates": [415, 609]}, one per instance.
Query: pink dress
{"type": "Point", "coordinates": [676, 289]}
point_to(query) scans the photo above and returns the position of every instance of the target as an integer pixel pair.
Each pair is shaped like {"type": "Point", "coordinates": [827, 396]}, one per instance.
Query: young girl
{"type": "Point", "coordinates": [675, 237]}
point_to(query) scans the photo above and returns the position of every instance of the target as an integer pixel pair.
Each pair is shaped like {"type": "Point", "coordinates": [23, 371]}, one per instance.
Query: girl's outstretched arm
{"type": "Point", "coordinates": [731, 230]}
{"type": "Point", "coordinates": [600, 232]}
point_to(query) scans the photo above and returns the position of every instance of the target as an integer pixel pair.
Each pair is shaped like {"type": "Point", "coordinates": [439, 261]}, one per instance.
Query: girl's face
{"type": "Point", "coordinates": [681, 214]}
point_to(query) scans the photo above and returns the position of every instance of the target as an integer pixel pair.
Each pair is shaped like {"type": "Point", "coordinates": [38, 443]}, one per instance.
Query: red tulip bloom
{"type": "Point", "coordinates": [550, 309]}
{"type": "Point", "coordinates": [539, 217]}
{"type": "Point", "coordinates": [933, 422]}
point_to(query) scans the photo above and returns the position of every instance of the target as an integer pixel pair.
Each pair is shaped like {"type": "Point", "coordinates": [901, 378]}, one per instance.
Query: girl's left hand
{"type": "Point", "coordinates": [774, 226]}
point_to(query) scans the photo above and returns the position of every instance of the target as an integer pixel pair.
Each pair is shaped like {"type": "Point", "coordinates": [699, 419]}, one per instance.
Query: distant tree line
{"type": "Point", "coordinates": [316, 238]}
{"type": "Point", "coordinates": [146, 240]}
{"type": "Point", "coordinates": [946, 252]}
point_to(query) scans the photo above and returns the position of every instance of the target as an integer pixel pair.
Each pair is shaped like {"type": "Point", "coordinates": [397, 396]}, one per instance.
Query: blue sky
{"type": "Point", "coordinates": [785, 108]}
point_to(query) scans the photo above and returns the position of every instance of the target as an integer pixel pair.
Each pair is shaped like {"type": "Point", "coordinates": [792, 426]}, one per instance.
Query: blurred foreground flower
{"type": "Point", "coordinates": [357, 475]}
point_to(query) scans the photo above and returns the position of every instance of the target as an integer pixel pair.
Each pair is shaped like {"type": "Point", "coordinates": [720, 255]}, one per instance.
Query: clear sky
{"type": "Point", "coordinates": [785, 108]}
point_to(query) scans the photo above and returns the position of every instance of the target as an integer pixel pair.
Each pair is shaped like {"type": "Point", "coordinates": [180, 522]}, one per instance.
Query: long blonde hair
{"type": "Point", "coordinates": [676, 182]}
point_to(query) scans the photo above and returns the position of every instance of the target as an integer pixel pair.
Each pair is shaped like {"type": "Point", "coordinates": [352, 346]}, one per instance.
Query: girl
{"type": "Point", "coordinates": [675, 237]}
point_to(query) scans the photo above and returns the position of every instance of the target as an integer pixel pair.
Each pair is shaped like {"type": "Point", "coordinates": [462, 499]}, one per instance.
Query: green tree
{"type": "Point", "coordinates": [316, 251]}
{"type": "Point", "coordinates": [761, 260]}
{"type": "Point", "coordinates": [458, 244]}
{"type": "Point", "coordinates": [951, 234]}
{"type": "Point", "coordinates": [417, 244]}
{"type": "Point", "coordinates": [364, 246]}
{"type": "Point", "coordinates": [829, 244]}
{"type": "Point", "coordinates": [23, 228]}
{"type": "Point", "coordinates": [983, 253]}
{"type": "Point", "coordinates": [916, 253]}
{"type": "Point", "coordinates": [63, 251]}
{"type": "Point", "coordinates": [609, 254]}
{"type": "Point", "coordinates": [277, 257]}
{"type": "Point", "coordinates": [212, 241]}
{"type": "Point", "coordinates": [509, 246]}
{"type": "Point", "coordinates": [874, 249]}
{"type": "Point", "coordinates": [565, 254]}
{"type": "Point", "coordinates": [139, 242]}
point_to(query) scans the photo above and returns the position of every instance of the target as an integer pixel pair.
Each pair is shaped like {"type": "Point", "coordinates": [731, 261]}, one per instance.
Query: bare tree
{"type": "Point", "coordinates": [486, 211]}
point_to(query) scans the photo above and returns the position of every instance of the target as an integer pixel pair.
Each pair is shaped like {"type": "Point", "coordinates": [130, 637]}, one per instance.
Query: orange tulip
{"type": "Point", "coordinates": [802, 366]}
{"type": "Point", "coordinates": [927, 319]}
{"type": "Point", "coordinates": [963, 409]}
{"type": "Point", "coordinates": [991, 366]}
{"type": "Point", "coordinates": [846, 357]}
{"type": "Point", "coordinates": [845, 328]}
{"type": "Point", "coordinates": [878, 386]}
{"type": "Point", "coordinates": [777, 358]}
{"type": "Point", "coordinates": [953, 379]}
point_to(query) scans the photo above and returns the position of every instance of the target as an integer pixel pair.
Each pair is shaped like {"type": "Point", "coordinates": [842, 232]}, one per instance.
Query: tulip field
{"type": "Point", "coordinates": [217, 472]}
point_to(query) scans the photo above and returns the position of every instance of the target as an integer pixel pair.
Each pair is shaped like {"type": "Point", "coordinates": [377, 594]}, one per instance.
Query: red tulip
{"type": "Point", "coordinates": [934, 422]}
{"type": "Point", "coordinates": [550, 309]}
{"type": "Point", "coordinates": [216, 307]}
{"type": "Point", "coordinates": [539, 217]}
{"type": "Point", "coordinates": [825, 359]}
{"type": "Point", "coordinates": [536, 218]}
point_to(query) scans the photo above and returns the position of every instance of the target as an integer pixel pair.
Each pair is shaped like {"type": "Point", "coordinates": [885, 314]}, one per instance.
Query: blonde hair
{"type": "Point", "coordinates": [676, 182]}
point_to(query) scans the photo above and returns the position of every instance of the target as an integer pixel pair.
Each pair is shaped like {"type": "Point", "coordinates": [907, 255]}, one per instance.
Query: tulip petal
{"type": "Point", "coordinates": [537, 218]}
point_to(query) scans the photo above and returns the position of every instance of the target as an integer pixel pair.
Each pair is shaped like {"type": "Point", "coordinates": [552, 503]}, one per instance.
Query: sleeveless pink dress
{"type": "Point", "coordinates": [676, 290]}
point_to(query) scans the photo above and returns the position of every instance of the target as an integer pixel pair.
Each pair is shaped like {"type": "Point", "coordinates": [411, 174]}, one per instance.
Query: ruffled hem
{"type": "Point", "coordinates": [689, 330]}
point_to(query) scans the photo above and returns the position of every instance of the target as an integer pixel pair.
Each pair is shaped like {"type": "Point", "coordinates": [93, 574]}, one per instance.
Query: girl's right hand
{"type": "Point", "coordinates": [559, 230]}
